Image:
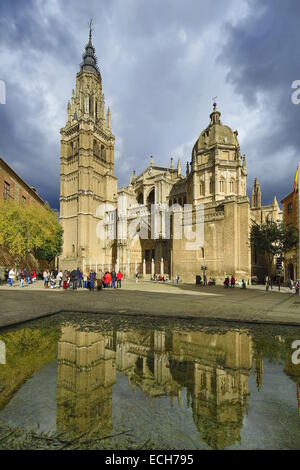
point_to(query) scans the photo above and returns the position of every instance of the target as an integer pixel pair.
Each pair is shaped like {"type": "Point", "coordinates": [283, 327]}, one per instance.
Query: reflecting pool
{"type": "Point", "coordinates": [95, 381]}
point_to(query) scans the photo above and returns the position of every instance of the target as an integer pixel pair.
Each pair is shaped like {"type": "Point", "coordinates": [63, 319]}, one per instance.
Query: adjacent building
{"type": "Point", "coordinates": [13, 187]}
{"type": "Point", "coordinates": [290, 205]}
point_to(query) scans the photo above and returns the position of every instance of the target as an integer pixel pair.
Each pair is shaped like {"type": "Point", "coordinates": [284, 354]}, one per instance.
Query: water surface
{"type": "Point", "coordinates": [129, 383]}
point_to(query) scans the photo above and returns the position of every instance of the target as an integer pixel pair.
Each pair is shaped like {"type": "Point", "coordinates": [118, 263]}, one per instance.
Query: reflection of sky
{"type": "Point", "coordinates": [34, 405]}
{"type": "Point", "coordinates": [272, 421]}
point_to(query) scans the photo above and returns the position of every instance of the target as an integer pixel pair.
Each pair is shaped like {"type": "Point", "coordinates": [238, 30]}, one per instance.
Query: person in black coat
{"type": "Point", "coordinates": [74, 278]}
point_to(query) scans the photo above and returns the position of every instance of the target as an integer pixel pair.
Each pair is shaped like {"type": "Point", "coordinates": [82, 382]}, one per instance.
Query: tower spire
{"type": "Point", "coordinates": [89, 62]}
{"type": "Point", "coordinates": [91, 30]}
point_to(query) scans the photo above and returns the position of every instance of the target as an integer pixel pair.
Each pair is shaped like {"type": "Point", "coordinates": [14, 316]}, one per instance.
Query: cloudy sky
{"type": "Point", "coordinates": [162, 62]}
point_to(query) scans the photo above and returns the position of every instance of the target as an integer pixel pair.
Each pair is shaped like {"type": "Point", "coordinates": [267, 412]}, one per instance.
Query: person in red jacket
{"type": "Point", "coordinates": [33, 276]}
{"type": "Point", "coordinates": [119, 279]}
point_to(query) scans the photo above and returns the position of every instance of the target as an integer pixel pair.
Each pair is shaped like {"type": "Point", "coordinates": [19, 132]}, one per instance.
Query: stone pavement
{"type": "Point", "coordinates": [146, 298]}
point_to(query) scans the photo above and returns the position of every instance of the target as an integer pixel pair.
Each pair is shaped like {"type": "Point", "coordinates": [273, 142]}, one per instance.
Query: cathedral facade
{"type": "Point", "coordinates": [106, 227]}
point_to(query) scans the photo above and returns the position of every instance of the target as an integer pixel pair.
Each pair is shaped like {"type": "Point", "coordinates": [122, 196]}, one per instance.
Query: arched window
{"type": "Point", "coordinates": [211, 186]}
{"type": "Point", "coordinates": [140, 198]}
{"type": "Point", "coordinates": [201, 188]}
{"type": "Point", "coordinates": [90, 106]}
{"type": "Point", "coordinates": [231, 186]}
{"type": "Point", "coordinates": [103, 152]}
{"type": "Point", "coordinates": [96, 148]}
{"type": "Point", "coordinates": [222, 186]}
{"type": "Point", "coordinates": [151, 197]}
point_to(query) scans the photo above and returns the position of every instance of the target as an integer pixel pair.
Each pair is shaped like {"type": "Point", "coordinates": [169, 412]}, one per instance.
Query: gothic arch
{"type": "Point", "coordinates": [151, 196]}
{"type": "Point", "coordinates": [140, 198]}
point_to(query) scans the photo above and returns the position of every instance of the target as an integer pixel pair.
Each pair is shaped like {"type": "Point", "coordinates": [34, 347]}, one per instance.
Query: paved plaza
{"type": "Point", "coordinates": [153, 299]}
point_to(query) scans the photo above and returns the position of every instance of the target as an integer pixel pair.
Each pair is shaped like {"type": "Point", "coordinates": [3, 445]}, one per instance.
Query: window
{"type": "Point", "coordinates": [23, 200]}
{"type": "Point", "coordinates": [147, 256]}
{"type": "Point", "coordinates": [222, 186]}
{"type": "Point", "coordinates": [290, 208]}
{"type": "Point", "coordinates": [231, 186]}
{"type": "Point", "coordinates": [151, 197]}
{"type": "Point", "coordinates": [140, 198]}
{"type": "Point", "coordinates": [103, 152]}
{"type": "Point", "coordinates": [6, 190]}
{"type": "Point", "coordinates": [90, 106]}
{"type": "Point", "coordinates": [211, 186]}
{"type": "Point", "coordinates": [201, 188]}
{"type": "Point", "coordinates": [96, 148]}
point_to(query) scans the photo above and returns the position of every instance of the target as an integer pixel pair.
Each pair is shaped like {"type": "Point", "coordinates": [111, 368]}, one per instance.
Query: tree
{"type": "Point", "coordinates": [31, 229]}
{"type": "Point", "coordinates": [273, 239]}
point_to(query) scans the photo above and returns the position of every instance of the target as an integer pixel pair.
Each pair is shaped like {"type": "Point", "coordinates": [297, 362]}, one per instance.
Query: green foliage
{"type": "Point", "coordinates": [28, 230]}
{"type": "Point", "coordinates": [273, 239]}
{"type": "Point", "coordinates": [27, 350]}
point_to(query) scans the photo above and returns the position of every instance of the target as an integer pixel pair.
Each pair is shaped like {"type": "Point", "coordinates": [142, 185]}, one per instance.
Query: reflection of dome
{"type": "Point", "coordinates": [215, 134]}
{"type": "Point", "coordinates": [219, 427]}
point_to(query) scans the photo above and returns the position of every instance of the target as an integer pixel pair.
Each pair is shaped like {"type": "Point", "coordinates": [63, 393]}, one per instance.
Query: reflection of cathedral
{"type": "Point", "coordinates": [220, 365]}
{"type": "Point", "coordinates": [212, 367]}
{"type": "Point", "coordinates": [86, 373]}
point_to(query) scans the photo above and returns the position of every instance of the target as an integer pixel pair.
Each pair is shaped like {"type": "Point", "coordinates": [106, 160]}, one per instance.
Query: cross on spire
{"type": "Point", "coordinates": [91, 28]}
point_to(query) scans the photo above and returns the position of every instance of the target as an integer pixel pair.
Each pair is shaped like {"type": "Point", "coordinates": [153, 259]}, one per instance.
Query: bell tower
{"type": "Point", "coordinates": [87, 181]}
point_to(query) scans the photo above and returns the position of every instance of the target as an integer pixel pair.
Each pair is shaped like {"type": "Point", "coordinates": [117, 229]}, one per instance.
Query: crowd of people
{"type": "Point", "coordinates": [292, 285]}
{"type": "Point", "coordinates": [231, 282]}
{"type": "Point", "coordinates": [160, 278]}
{"type": "Point", "coordinates": [24, 276]}
{"type": "Point", "coordinates": [65, 279]}
{"type": "Point", "coordinates": [105, 280]}
{"type": "Point", "coordinates": [78, 279]}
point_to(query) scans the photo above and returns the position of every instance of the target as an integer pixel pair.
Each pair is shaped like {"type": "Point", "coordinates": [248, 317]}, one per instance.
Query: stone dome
{"type": "Point", "coordinates": [216, 134]}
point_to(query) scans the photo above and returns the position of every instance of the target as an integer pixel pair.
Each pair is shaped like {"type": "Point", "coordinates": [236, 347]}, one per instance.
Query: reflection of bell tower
{"type": "Point", "coordinates": [259, 370]}
{"type": "Point", "coordinates": [86, 166]}
{"type": "Point", "coordinates": [86, 373]}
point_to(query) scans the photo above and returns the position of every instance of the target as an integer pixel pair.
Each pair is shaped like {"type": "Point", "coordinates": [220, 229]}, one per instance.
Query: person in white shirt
{"type": "Point", "coordinates": [11, 277]}
{"type": "Point", "coordinates": [59, 278]}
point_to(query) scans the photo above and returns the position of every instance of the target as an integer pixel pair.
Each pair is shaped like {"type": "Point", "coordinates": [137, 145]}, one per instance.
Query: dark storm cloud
{"type": "Point", "coordinates": [161, 63]}
{"type": "Point", "coordinates": [263, 56]}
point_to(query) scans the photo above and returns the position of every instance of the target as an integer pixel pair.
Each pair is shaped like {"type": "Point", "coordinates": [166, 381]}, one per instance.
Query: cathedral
{"type": "Point", "coordinates": [107, 227]}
